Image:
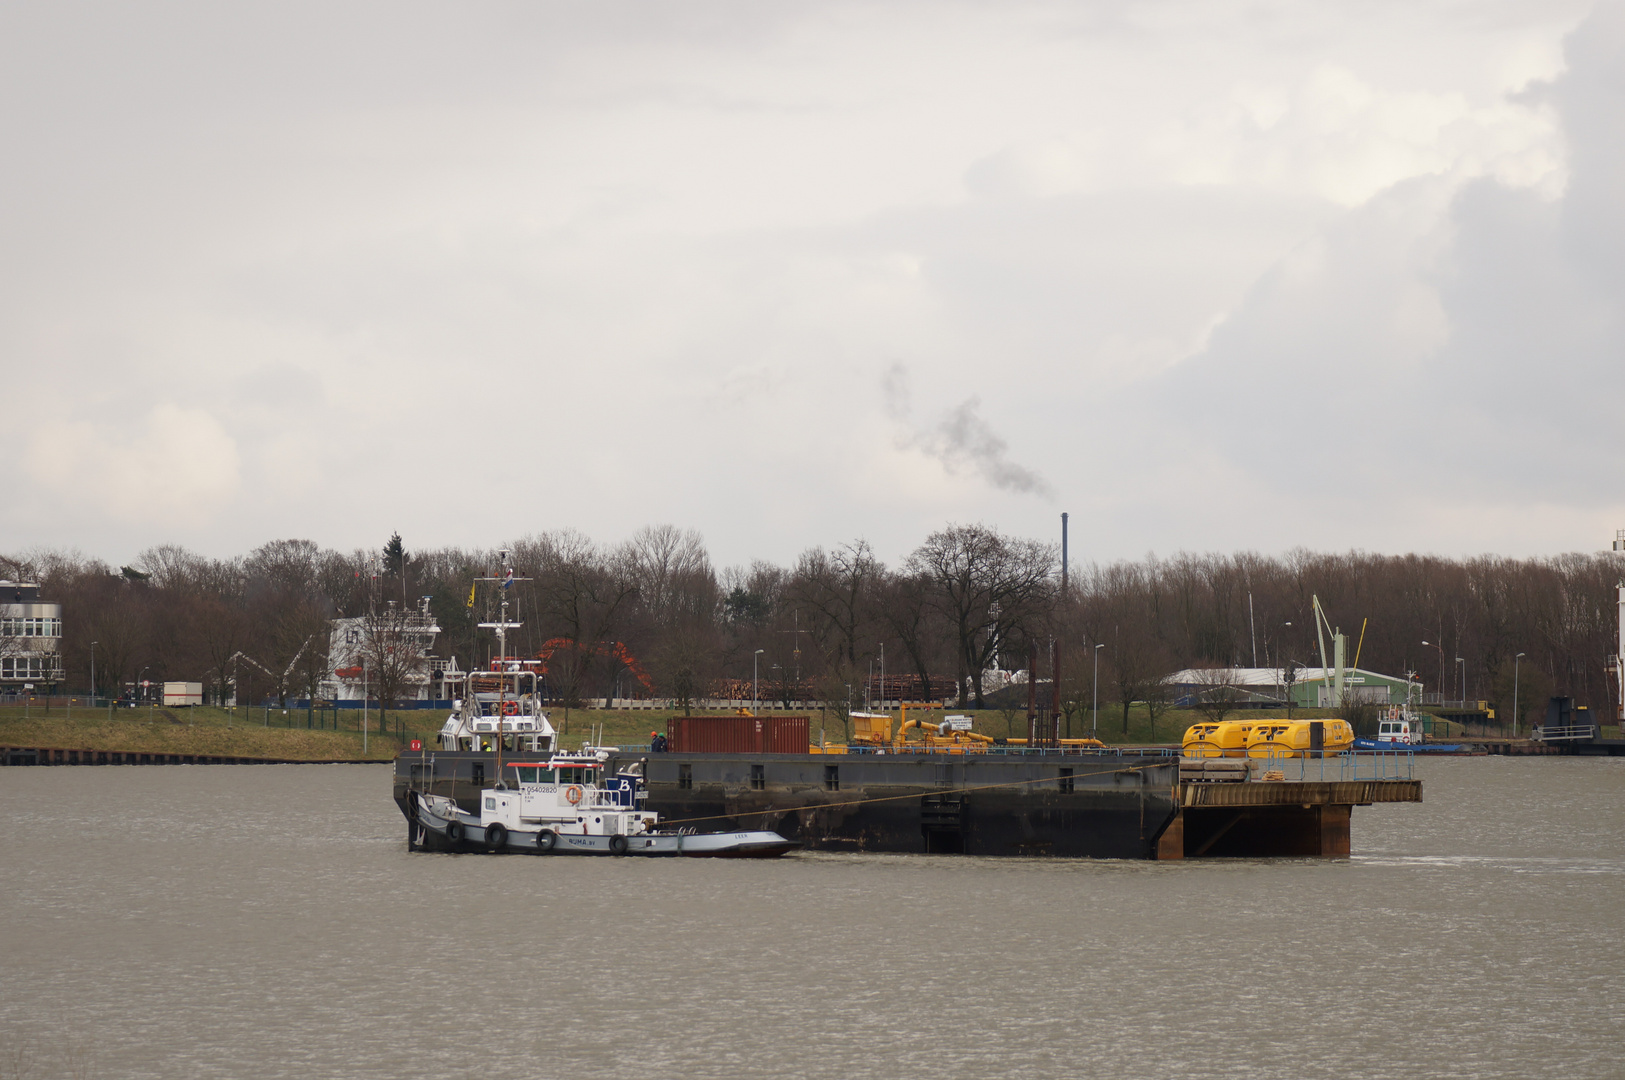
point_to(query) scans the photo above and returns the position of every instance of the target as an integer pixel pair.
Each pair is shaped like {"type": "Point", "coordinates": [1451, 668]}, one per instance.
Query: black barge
{"type": "Point", "coordinates": [1100, 804]}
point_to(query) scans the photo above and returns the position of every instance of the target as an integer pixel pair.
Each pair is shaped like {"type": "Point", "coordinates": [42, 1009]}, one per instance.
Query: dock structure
{"type": "Point", "coordinates": [1254, 818]}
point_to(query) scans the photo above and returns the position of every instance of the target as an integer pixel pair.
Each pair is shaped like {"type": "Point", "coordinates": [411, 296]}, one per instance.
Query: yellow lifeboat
{"type": "Point", "coordinates": [1225, 738]}
{"type": "Point", "coordinates": [1293, 738]}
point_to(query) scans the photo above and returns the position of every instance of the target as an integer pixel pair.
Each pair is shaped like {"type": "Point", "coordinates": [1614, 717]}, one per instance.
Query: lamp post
{"type": "Point", "coordinates": [1430, 645]}
{"type": "Point", "coordinates": [1285, 688]}
{"type": "Point", "coordinates": [92, 674]}
{"type": "Point", "coordinates": [1463, 698]}
{"type": "Point", "coordinates": [883, 679]}
{"type": "Point", "coordinates": [1515, 660]}
{"type": "Point", "coordinates": [753, 681]}
{"type": "Point", "coordinates": [1094, 722]}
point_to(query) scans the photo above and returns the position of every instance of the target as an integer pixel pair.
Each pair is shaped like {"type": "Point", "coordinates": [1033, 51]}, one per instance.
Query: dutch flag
{"type": "Point", "coordinates": [507, 581]}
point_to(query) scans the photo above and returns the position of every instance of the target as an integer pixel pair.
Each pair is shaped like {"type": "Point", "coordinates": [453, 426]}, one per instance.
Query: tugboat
{"type": "Point", "coordinates": [566, 805]}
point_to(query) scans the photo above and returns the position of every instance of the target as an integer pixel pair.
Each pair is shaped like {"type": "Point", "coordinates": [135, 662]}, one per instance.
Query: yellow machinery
{"type": "Point", "coordinates": [952, 736]}
{"type": "Point", "coordinates": [871, 729]}
{"type": "Point", "coordinates": [1063, 742]}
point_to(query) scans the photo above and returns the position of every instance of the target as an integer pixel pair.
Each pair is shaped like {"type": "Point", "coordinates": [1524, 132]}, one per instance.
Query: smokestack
{"type": "Point", "coordinates": [1063, 553]}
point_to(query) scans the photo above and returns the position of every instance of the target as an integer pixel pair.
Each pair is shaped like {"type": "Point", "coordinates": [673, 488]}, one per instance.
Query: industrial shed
{"type": "Point", "coordinates": [1266, 688]}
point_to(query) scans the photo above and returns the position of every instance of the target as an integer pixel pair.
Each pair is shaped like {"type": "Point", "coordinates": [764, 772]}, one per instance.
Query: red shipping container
{"type": "Point", "coordinates": [737, 734]}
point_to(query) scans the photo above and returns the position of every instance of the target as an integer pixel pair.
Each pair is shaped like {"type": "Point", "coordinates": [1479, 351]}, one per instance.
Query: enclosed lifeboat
{"type": "Point", "coordinates": [1223, 738]}
{"type": "Point", "coordinates": [1295, 738]}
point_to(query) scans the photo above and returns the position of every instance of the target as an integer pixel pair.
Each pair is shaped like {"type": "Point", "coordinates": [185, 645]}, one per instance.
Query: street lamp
{"type": "Point", "coordinates": [1441, 666]}
{"type": "Point", "coordinates": [753, 680]}
{"type": "Point", "coordinates": [1515, 660]}
{"type": "Point", "coordinates": [92, 674]}
{"type": "Point", "coordinates": [1463, 698]}
{"type": "Point", "coordinates": [1094, 723]}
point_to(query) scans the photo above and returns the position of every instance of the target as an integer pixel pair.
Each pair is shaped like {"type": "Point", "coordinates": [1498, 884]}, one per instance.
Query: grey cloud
{"type": "Point", "coordinates": [1441, 345]}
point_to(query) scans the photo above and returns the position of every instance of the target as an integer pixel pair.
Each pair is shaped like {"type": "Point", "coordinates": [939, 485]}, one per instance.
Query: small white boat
{"type": "Point", "coordinates": [566, 805]}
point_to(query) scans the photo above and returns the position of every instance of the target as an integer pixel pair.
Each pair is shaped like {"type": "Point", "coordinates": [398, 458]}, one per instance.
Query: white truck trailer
{"type": "Point", "coordinates": [183, 693]}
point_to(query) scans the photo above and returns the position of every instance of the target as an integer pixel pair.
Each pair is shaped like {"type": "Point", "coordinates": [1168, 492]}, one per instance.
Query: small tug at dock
{"type": "Point", "coordinates": [566, 805]}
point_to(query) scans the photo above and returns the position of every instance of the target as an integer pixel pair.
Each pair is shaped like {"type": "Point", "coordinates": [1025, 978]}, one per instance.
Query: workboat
{"type": "Point", "coordinates": [566, 805]}
{"type": "Point", "coordinates": [1401, 729]}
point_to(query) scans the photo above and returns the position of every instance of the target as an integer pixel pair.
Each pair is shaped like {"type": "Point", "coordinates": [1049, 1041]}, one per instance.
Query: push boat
{"type": "Point", "coordinates": [1401, 729]}
{"type": "Point", "coordinates": [567, 805]}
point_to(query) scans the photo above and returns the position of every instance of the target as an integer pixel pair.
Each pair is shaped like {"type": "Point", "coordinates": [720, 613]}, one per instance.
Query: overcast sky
{"type": "Point", "coordinates": [1207, 275]}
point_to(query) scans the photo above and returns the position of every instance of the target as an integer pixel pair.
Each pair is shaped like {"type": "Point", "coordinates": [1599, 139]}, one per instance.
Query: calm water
{"type": "Point", "coordinates": [253, 922]}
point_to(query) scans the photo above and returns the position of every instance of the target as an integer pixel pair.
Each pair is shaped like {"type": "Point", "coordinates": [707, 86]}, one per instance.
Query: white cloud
{"type": "Point", "coordinates": [176, 466]}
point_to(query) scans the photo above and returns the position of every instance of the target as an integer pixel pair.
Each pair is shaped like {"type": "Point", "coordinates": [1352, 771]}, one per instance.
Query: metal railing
{"type": "Point", "coordinates": [1348, 765]}
{"type": "Point", "coordinates": [1577, 733]}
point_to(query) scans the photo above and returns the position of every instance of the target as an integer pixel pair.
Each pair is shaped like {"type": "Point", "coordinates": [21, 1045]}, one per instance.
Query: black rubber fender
{"type": "Point", "coordinates": [454, 831]}
{"type": "Point", "coordinates": [546, 840]}
{"type": "Point", "coordinates": [496, 836]}
{"type": "Point", "coordinates": [617, 845]}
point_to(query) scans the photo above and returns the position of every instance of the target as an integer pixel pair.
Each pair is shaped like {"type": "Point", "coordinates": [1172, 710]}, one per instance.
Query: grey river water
{"type": "Point", "coordinates": [267, 921]}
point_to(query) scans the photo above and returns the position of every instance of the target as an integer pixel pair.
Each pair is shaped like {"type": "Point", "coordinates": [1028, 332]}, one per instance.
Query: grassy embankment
{"type": "Point", "coordinates": [204, 730]}
{"type": "Point", "coordinates": [254, 733]}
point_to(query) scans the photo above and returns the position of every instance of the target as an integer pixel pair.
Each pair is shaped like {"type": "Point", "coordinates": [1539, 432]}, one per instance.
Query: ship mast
{"type": "Point", "coordinates": [502, 626]}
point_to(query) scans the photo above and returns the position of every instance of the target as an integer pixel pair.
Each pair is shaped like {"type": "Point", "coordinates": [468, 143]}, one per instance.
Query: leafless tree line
{"type": "Point", "coordinates": [968, 599]}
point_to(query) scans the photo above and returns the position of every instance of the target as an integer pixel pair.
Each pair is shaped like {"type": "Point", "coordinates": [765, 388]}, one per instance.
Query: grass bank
{"type": "Point", "coordinates": [207, 730]}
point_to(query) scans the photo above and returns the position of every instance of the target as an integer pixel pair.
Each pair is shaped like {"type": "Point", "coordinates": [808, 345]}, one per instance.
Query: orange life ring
{"type": "Point", "coordinates": [510, 708]}
{"type": "Point", "coordinates": [572, 794]}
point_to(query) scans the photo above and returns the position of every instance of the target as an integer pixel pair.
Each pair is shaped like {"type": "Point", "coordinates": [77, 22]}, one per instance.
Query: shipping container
{"type": "Point", "coordinates": [183, 693]}
{"type": "Point", "coordinates": [737, 734]}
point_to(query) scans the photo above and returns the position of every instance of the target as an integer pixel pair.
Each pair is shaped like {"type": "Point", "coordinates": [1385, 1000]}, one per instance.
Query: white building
{"type": "Point", "coordinates": [30, 638]}
{"type": "Point", "coordinates": [409, 634]}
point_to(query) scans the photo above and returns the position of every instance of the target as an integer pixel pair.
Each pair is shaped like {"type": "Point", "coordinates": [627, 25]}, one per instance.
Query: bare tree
{"type": "Point", "coordinates": [1217, 693]}
{"type": "Point", "coordinates": [672, 574]}
{"type": "Point", "coordinates": [988, 586]}
{"type": "Point", "coordinates": [835, 589]}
